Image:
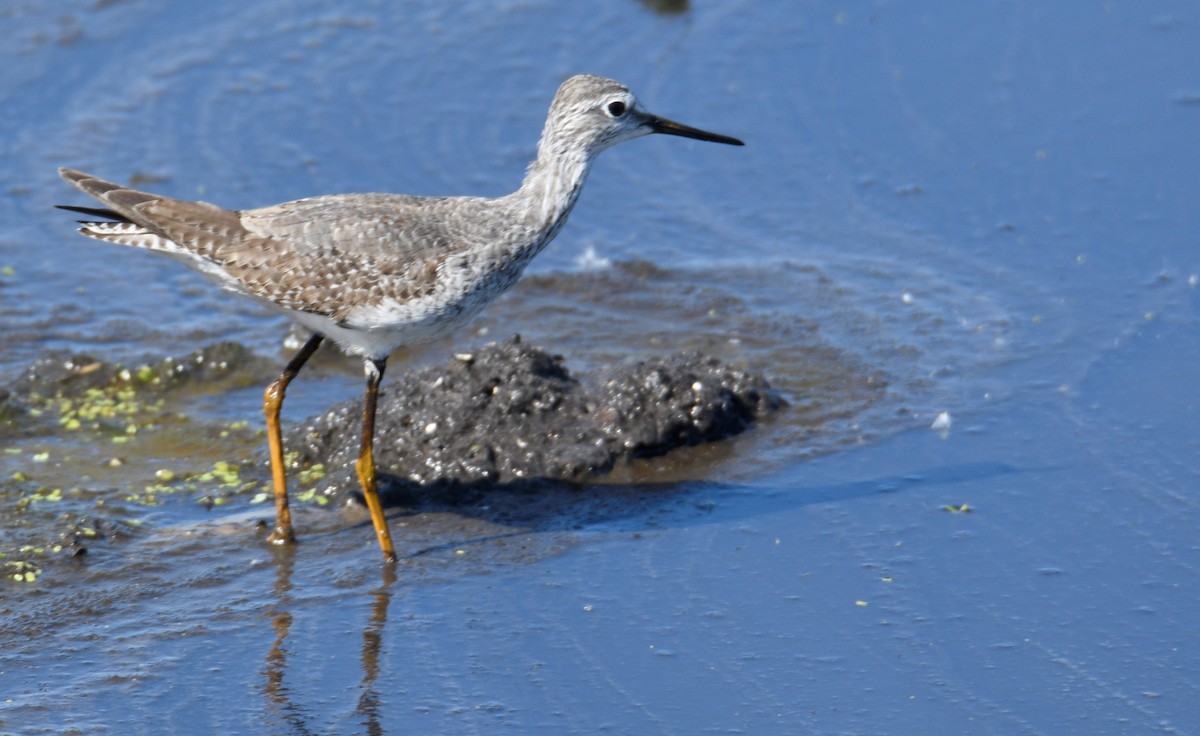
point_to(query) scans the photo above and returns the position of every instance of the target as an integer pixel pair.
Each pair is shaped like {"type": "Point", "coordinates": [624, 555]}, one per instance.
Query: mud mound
{"type": "Point", "coordinates": [511, 411]}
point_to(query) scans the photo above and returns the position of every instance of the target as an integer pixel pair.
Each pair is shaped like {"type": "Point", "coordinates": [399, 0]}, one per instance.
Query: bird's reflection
{"type": "Point", "coordinates": [368, 702]}
{"type": "Point", "coordinates": [275, 667]}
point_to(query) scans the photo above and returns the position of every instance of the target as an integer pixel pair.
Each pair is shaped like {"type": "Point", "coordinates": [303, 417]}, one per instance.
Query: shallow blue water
{"type": "Point", "coordinates": [991, 205]}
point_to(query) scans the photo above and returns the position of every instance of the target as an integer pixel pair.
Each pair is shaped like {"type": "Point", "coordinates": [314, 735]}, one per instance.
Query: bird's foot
{"type": "Point", "coordinates": [281, 536]}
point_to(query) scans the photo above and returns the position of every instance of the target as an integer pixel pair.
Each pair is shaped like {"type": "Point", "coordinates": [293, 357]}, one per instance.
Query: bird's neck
{"type": "Point", "coordinates": [551, 187]}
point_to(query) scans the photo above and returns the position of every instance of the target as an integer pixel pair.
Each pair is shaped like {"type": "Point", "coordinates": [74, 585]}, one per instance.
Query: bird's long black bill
{"type": "Point", "coordinates": [670, 127]}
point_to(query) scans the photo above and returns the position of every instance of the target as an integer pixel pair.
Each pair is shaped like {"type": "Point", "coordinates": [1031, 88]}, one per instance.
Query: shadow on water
{"type": "Point", "coordinates": [546, 506]}
{"type": "Point", "coordinates": [529, 521]}
{"type": "Point", "coordinates": [931, 477]}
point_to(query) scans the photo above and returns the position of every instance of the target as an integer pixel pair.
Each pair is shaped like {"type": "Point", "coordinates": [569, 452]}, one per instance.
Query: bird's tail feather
{"type": "Point", "coordinates": [104, 212]}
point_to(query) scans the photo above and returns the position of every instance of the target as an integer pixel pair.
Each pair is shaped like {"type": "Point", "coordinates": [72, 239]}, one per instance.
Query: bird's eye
{"type": "Point", "coordinates": [616, 109]}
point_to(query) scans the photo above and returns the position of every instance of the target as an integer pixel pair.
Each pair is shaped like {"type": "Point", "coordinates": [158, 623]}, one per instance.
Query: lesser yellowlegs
{"type": "Point", "coordinates": [373, 272]}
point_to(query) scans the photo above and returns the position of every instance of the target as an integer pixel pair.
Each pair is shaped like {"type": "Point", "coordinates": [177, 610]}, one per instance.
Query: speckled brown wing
{"type": "Point", "coordinates": [326, 255]}
{"type": "Point", "coordinates": [354, 249]}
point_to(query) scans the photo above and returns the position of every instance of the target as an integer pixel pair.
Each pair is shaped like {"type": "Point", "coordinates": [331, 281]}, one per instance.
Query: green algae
{"type": "Point", "coordinates": [95, 445]}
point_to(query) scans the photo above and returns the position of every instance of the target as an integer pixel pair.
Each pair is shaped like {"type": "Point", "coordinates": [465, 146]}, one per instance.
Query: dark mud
{"type": "Point", "coordinates": [512, 412]}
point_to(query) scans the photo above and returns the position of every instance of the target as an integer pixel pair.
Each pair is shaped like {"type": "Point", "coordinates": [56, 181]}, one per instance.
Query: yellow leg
{"type": "Point", "coordinates": [365, 467]}
{"type": "Point", "coordinates": [272, 403]}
